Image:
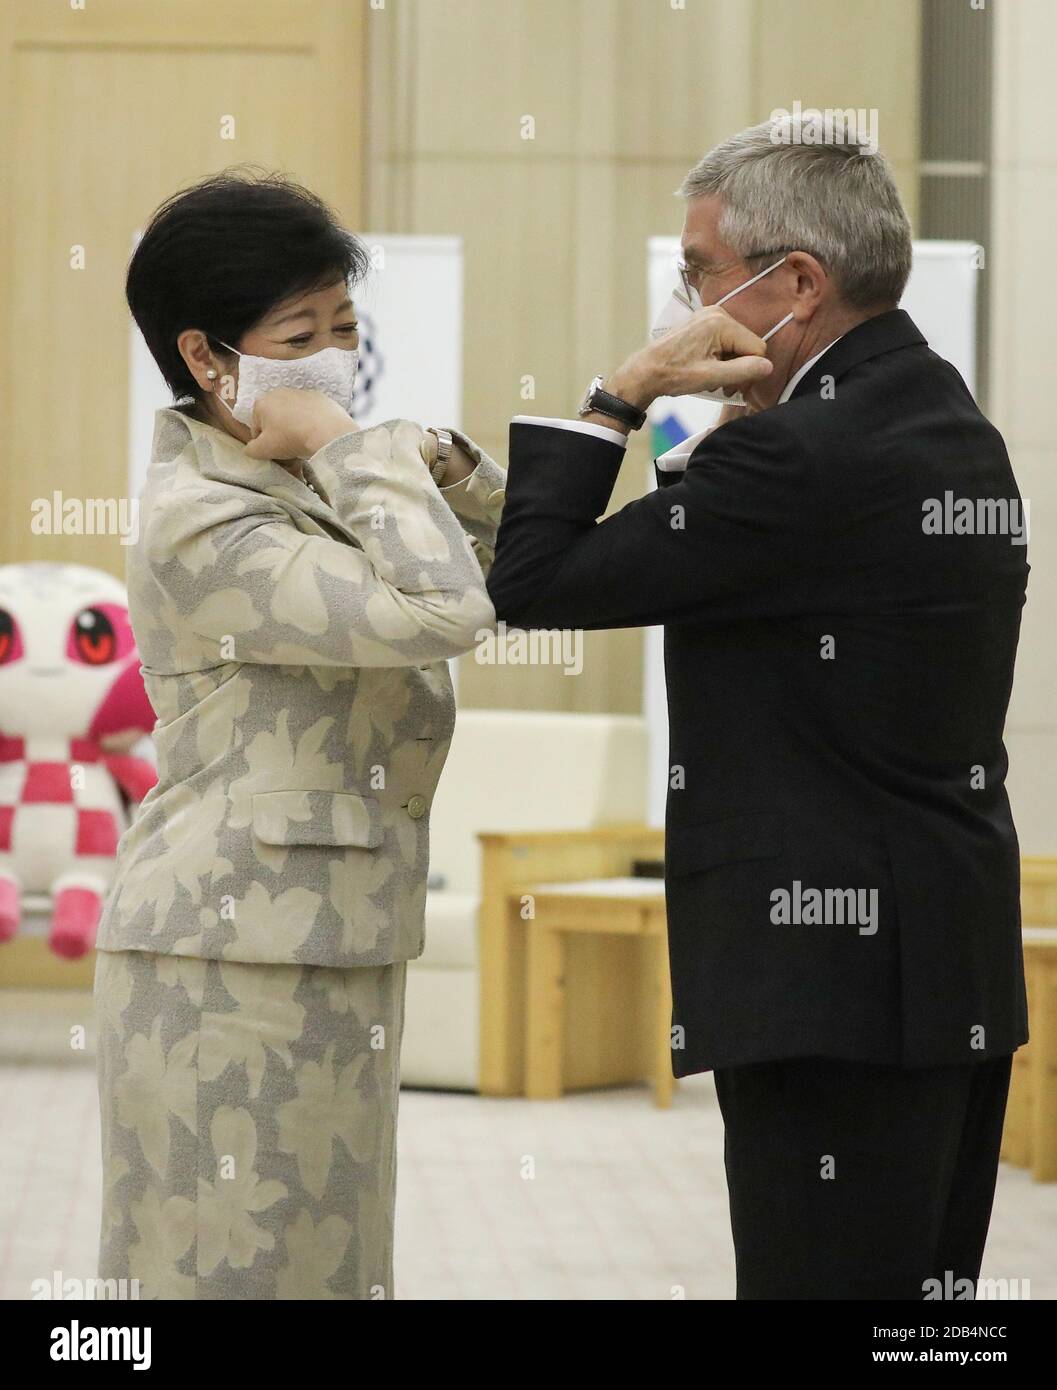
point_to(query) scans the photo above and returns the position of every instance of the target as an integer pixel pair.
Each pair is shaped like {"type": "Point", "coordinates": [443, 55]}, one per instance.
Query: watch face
{"type": "Point", "coordinates": [585, 405]}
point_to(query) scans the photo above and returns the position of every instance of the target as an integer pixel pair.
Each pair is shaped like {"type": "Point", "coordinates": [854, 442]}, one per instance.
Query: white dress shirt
{"type": "Point", "coordinates": [675, 460]}
{"type": "Point", "coordinates": [791, 384]}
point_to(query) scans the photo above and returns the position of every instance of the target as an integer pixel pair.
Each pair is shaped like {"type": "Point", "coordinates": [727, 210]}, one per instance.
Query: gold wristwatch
{"type": "Point", "coordinates": [444, 447]}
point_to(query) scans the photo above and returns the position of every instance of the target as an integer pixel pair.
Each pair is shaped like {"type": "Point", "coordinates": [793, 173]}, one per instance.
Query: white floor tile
{"type": "Point", "coordinates": [626, 1202]}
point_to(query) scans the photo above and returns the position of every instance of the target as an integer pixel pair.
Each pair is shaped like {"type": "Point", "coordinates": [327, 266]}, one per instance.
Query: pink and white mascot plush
{"type": "Point", "coordinates": [72, 706]}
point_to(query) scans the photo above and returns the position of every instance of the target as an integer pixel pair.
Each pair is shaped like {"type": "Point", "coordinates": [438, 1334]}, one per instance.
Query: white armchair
{"type": "Point", "coordinates": [507, 771]}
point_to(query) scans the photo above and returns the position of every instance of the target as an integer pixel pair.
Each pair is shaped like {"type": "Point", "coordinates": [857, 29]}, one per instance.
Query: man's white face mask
{"type": "Point", "coordinates": [684, 304]}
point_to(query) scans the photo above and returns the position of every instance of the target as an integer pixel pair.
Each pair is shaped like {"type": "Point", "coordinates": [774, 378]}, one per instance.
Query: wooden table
{"type": "Point", "coordinates": [1029, 1139]}
{"type": "Point", "coordinates": [552, 915]}
{"type": "Point", "coordinates": [511, 864]}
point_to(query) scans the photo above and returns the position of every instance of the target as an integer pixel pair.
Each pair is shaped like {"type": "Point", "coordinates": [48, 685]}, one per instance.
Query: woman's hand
{"type": "Point", "coordinates": [295, 424]}
{"type": "Point", "coordinates": [460, 464]}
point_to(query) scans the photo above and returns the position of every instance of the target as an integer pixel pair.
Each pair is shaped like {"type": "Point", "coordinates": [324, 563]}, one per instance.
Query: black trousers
{"type": "Point", "coordinates": [850, 1180]}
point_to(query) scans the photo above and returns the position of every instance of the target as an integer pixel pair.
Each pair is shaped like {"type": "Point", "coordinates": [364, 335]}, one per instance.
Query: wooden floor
{"type": "Point", "coordinates": [595, 1196]}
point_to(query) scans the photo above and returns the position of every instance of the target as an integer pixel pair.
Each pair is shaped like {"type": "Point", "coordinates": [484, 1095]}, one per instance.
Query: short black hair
{"type": "Point", "coordinates": [223, 253]}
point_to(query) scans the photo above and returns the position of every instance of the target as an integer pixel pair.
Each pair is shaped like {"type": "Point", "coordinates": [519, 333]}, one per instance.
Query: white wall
{"type": "Point", "coordinates": [1023, 308]}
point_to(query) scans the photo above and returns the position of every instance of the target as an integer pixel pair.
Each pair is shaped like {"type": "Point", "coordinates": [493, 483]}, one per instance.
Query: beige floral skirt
{"type": "Point", "coordinates": [248, 1126]}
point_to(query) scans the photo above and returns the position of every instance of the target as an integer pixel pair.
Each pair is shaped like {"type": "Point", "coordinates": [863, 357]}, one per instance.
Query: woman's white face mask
{"type": "Point", "coordinates": [681, 307]}
{"type": "Point", "coordinates": [332, 370]}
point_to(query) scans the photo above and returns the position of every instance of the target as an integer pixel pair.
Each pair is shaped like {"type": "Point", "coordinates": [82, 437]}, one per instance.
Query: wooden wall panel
{"type": "Point", "coordinates": [107, 111]}
{"type": "Point", "coordinates": [626, 96]}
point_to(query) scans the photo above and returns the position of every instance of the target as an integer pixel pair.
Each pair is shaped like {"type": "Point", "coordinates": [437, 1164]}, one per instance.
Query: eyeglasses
{"type": "Point", "coordinates": [688, 276]}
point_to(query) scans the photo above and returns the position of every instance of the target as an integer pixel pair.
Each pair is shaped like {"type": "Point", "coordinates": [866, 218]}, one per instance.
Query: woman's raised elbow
{"type": "Point", "coordinates": [470, 623]}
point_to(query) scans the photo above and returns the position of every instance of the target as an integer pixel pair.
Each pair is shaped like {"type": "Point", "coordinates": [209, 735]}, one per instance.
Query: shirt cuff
{"type": "Point", "coordinates": [583, 426]}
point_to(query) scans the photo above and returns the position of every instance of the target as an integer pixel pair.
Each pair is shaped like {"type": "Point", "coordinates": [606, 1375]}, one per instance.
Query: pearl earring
{"type": "Point", "coordinates": [211, 375]}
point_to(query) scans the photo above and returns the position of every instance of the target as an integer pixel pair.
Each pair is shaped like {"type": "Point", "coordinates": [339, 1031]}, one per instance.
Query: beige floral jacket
{"type": "Point", "coordinates": [294, 646]}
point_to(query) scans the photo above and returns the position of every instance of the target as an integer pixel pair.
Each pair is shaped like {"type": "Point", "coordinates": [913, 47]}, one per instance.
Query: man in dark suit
{"type": "Point", "coordinates": [840, 572]}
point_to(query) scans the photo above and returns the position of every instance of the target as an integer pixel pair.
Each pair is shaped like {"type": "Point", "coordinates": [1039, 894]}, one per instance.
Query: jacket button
{"type": "Point", "coordinates": [416, 807]}
{"type": "Point", "coordinates": [498, 496]}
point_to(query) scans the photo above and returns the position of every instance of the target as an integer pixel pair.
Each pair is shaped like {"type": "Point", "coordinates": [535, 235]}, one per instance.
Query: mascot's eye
{"type": "Point", "coordinates": [9, 643]}
{"type": "Point", "coordinates": [93, 638]}
{"type": "Point", "coordinates": [100, 634]}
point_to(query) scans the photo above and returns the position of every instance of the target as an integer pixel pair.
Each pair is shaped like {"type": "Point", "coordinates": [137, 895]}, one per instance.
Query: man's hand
{"type": "Point", "coordinates": [295, 424]}
{"type": "Point", "coordinates": [709, 352]}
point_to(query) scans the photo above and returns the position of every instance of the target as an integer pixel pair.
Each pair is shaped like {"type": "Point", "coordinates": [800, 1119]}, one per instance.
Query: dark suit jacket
{"type": "Point", "coordinates": [837, 687]}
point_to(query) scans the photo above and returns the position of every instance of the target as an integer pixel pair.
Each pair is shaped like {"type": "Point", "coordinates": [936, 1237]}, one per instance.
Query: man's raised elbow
{"type": "Point", "coordinates": [504, 597]}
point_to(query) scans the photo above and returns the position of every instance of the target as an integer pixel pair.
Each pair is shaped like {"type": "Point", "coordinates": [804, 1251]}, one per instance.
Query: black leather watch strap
{"type": "Point", "coordinates": [606, 404]}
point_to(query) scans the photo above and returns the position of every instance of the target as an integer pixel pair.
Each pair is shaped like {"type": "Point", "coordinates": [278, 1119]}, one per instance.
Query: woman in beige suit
{"type": "Point", "coordinates": [296, 590]}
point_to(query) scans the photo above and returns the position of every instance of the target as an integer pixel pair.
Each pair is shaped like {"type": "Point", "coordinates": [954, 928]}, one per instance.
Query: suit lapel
{"type": "Point", "coordinates": [883, 333]}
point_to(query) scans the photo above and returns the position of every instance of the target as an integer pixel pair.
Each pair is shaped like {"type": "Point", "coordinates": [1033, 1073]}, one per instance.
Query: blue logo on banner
{"type": "Point", "coordinates": [665, 434]}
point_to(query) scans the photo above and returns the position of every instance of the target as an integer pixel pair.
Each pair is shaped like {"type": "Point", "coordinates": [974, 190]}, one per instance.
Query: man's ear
{"type": "Point", "coordinates": [811, 281]}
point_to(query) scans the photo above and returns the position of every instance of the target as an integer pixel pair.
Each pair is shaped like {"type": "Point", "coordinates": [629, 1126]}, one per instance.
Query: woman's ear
{"type": "Point", "coordinates": [200, 359]}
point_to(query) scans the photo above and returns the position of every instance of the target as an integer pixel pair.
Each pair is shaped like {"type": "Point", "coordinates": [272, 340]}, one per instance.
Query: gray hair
{"type": "Point", "coordinates": [835, 199]}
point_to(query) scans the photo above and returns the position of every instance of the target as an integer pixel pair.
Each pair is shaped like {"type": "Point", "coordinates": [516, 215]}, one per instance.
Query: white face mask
{"type": "Point", "coordinates": [331, 370]}
{"type": "Point", "coordinates": [679, 309]}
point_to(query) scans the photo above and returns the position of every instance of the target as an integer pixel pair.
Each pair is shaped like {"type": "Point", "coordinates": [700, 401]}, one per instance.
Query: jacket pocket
{"type": "Point", "coordinates": [694, 849]}
{"type": "Point", "coordinates": [317, 818]}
